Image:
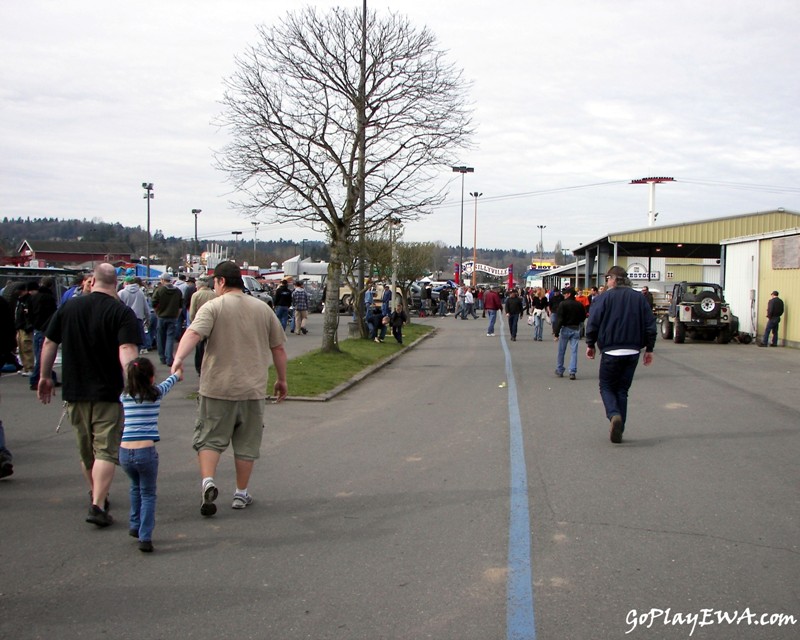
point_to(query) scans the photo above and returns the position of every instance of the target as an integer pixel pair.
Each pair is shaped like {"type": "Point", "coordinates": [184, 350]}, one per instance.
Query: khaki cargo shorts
{"type": "Point", "coordinates": [221, 423]}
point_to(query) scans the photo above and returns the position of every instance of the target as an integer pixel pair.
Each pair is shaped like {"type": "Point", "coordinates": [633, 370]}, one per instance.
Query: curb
{"type": "Point", "coordinates": [324, 397]}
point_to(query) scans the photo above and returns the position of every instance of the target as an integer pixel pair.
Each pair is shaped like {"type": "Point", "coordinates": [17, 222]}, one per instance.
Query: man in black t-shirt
{"type": "Point", "coordinates": [98, 335]}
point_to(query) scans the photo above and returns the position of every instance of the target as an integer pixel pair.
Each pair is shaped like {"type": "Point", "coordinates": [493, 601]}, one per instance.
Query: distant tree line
{"type": "Point", "coordinates": [172, 250]}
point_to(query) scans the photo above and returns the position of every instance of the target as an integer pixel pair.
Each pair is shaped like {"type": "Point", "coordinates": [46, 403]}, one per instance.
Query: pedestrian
{"type": "Point", "coordinates": [300, 304]}
{"type": "Point", "coordinates": [98, 337]}
{"type": "Point", "coordinates": [567, 331]}
{"type": "Point", "coordinates": [460, 302]}
{"type": "Point", "coordinates": [620, 324]}
{"type": "Point", "coordinates": [539, 309]}
{"type": "Point", "coordinates": [375, 322]}
{"type": "Point", "coordinates": [203, 294]}
{"type": "Point", "coordinates": [141, 403]}
{"type": "Point", "coordinates": [648, 296]}
{"type": "Point", "coordinates": [242, 334]}
{"type": "Point", "coordinates": [41, 308]}
{"type": "Point", "coordinates": [283, 300]}
{"type": "Point", "coordinates": [492, 304]}
{"type": "Point", "coordinates": [168, 305]}
{"type": "Point", "coordinates": [444, 293]}
{"type": "Point", "coordinates": [469, 305]}
{"type": "Point", "coordinates": [397, 320]}
{"type": "Point", "coordinates": [556, 298]}
{"type": "Point", "coordinates": [514, 309]}
{"type": "Point", "coordinates": [24, 328]}
{"type": "Point", "coordinates": [7, 345]}
{"type": "Point", "coordinates": [386, 300]}
{"type": "Point", "coordinates": [133, 296]}
{"type": "Point", "coordinates": [774, 312]}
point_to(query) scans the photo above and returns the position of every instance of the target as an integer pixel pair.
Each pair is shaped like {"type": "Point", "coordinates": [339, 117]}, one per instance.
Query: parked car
{"type": "Point", "coordinates": [253, 287]}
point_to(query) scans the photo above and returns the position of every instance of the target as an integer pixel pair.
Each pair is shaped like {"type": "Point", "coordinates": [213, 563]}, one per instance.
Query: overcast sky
{"type": "Point", "coordinates": [573, 100]}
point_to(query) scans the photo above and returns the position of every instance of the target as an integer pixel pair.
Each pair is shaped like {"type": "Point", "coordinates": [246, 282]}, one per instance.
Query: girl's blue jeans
{"type": "Point", "coordinates": [141, 465]}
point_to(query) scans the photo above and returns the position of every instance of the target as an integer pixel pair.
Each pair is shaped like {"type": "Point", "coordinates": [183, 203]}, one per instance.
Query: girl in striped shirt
{"type": "Point", "coordinates": [141, 402]}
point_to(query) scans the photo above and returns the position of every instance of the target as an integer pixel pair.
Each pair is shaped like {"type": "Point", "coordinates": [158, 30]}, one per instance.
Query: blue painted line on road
{"type": "Point", "coordinates": [520, 624]}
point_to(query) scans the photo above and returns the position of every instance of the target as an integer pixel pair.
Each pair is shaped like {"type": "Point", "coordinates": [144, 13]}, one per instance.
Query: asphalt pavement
{"type": "Point", "coordinates": [423, 501]}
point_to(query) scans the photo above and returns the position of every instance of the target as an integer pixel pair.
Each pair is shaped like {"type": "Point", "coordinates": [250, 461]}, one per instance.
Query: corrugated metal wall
{"type": "Point", "coordinates": [787, 283]}
{"type": "Point", "coordinates": [741, 278]}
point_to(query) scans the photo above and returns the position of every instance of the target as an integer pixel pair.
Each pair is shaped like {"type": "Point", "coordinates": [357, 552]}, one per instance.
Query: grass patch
{"type": "Point", "coordinates": [315, 373]}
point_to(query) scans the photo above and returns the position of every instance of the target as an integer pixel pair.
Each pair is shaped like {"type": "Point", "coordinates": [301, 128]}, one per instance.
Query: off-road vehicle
{"type": "Point", "coordinates": [699, 310]}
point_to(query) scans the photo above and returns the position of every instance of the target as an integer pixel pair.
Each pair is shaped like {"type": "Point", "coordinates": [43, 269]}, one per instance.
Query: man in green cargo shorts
{"type": "Point", "coordinates": [242, 334]}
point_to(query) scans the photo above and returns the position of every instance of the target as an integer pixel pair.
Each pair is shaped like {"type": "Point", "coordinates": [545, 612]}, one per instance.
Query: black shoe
{"type": "Point", "coordinates": [761, 344]}
{"type": "Point", "coordinates": [616, 429]}
{"type": "Point", "coordinates": [572, 376]}
{"type": "Point", "coordinates": [106, 503]}
{"type": "Point", "coordinates": [304, 330]}
{"type": "Point", "coordinates": [146, 546]}
{"type": "Point", "coordinates": [133, 533]}
{"type": "Point", "coordinates": [6, 469]}
{"type": "Point", "coordinates": [773, 345]}
{"type": "Point", "coordinates": [99, 517]}
{"type": "Point", "coordinates": [559, 375]}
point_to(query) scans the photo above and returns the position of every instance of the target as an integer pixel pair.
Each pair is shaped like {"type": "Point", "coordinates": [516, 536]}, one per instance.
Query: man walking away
{"type": "Point", "coordinates": [492, 304]}
{"type": "Point", "coordinates": [621, 324]}
{"type": "Point", "coordinates": [283, 300]}
{"type": "Point", "coordinates": [514, 310]}
{"type": "Point", "coordinates": [774, 313]}
{"type": "Point", "coordinates": [567, 330]}
{"type": "Point", "coordinates": [7, 344]}
{"type": "Point", "coordinates": [168, 305]}
{"type": "Point", "coordinates": [300, 304]}
{"type": "Point", "coordinates": [242, 333]}
{"type": "Point", "coordinates": [98, 337]}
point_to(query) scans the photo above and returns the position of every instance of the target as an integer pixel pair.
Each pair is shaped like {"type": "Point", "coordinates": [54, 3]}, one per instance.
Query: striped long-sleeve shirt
{"type": "Point", "coordinates": [141, 418]}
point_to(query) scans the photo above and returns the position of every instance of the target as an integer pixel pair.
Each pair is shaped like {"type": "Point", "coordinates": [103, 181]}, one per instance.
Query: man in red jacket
{"type": "Point", "coordinates": [492, 304]}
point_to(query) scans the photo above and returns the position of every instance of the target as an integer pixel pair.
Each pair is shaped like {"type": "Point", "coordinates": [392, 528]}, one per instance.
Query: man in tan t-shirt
{"type": "Point", "coordinates": [241, 334]}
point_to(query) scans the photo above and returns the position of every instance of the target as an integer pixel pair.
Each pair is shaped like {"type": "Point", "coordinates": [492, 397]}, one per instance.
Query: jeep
{"type": "Point", "coordinates": [699, 310]}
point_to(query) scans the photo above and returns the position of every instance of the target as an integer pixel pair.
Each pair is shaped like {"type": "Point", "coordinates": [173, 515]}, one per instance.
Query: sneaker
{"type": "Point", "coordinates": [377, 340]}
{"type": "Point", "coordinates": [241, 500]}
{"type": "Point", "coordinates": [210, 493]}
{"type": "Point", "coordinates": [304, 330]}
{"type": "Point", "coordinates": [99, 517]}
{"type": "Point", "coordinates": [559, 375]}
{"type": "Point", "coordinates": [572, 376]}
{"type": "Point", "coordinates": [761, 344]}
{"type": "Point", "coordinates": [146, 546]}
{"type": "Point", "coordinates": [616, 429]}
{"type": "Point", "coordinates": [6, 469]}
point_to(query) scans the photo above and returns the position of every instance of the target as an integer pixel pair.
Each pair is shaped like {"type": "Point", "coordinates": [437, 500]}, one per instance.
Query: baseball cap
{"type": "Point", "coordinates": [228, 270]}
{"type": "Point", "coordinates": [166, 277]}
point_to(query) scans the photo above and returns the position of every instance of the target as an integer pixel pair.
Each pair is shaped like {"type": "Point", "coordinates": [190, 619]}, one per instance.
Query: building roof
{"type": "Point", "coordinates": [700, 239]}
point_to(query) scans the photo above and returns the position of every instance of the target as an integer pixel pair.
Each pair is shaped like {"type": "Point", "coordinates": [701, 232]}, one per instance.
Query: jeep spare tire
{"type": "Point", "coordinates": [709, 305]}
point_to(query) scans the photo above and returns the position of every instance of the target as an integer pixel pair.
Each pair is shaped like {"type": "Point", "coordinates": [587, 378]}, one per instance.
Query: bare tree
{"type": "Point", "coordinates": [292, 108]}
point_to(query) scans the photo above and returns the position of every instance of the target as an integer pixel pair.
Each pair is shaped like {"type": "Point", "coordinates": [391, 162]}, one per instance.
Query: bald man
{"type": "Point", "coordinates": [98, 337]}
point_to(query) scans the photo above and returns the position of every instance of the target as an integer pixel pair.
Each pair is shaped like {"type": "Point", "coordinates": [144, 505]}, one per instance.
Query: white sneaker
{"type": "Point", "coordinates": [241, 500]}
{"type": "Point", "coordinates": [209, 492]}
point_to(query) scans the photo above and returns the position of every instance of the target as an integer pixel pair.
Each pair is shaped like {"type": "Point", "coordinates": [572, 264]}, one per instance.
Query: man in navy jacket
{"type": "Point", "coordinates": [621, 324]}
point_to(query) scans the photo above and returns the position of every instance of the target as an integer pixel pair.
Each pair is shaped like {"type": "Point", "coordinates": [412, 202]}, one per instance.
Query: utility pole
{"type": "Point", "coordinates": [475, 195]}
{"type": "Point", "coordinates": [196, 243]}
{"type": "Point", "coordinates": [462, 170]}
{"type": "Point", "coordinates": [541, 228]}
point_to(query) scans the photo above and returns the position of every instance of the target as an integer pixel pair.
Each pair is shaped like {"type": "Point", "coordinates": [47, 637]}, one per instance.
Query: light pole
{"type": "Point", "coordinates": [475, 195]}
{"type": "Point", "coordinates": [462, 170]}
{"type": "Point", "coordinates": [541, 228]}
{"type": "Point", "coordinates": [196, 243]}
{"type": "Point", "coordinates": [303, 251]}
{"type": "Point", "coordinates": [393, 222]}
{"type": "Point", "coordinates": [235, 235]}
{"type": "Point", "coordinates": [255, 236]}
{"type": "Point", "coordinates": [148, 195]}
